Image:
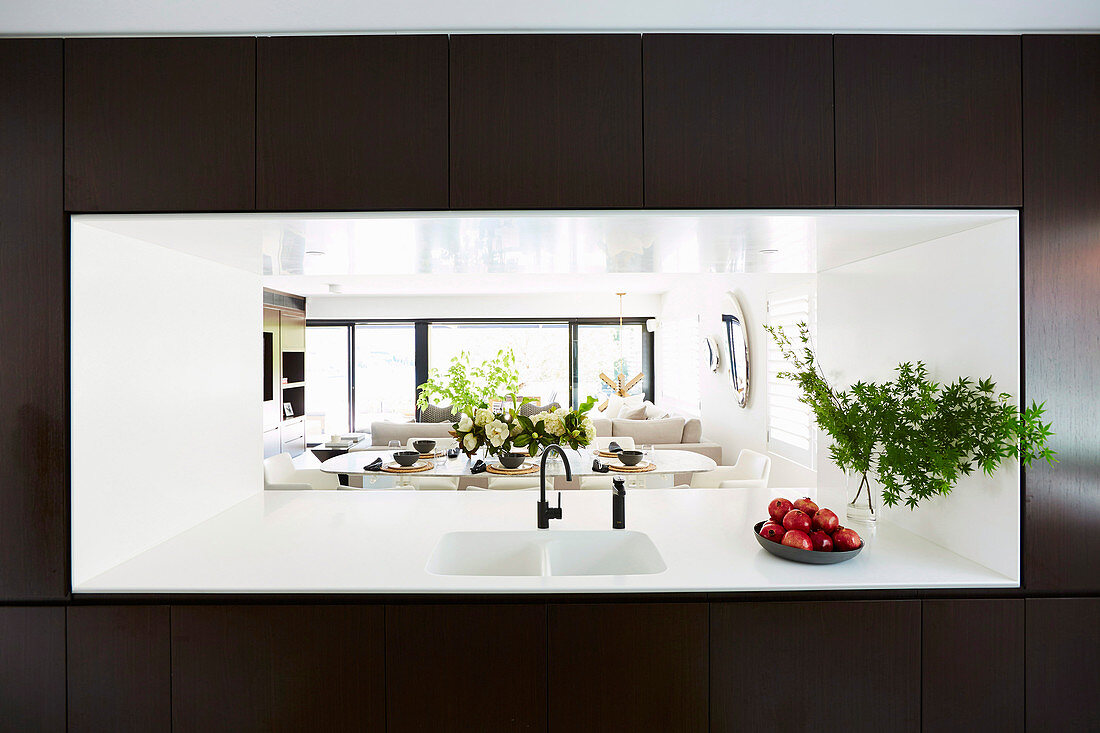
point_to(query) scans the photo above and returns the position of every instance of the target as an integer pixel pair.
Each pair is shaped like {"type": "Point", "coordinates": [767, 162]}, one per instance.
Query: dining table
{"type": "Point", "coordinates": [665, 462]}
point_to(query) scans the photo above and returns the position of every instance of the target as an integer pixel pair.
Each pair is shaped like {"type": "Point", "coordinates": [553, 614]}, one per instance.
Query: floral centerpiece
{"type": "Point", "coordinates": [507, 430]}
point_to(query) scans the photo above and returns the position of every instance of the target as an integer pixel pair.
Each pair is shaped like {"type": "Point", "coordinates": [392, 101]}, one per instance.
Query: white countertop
{"type": "Point", "coordinates": [380, 542]}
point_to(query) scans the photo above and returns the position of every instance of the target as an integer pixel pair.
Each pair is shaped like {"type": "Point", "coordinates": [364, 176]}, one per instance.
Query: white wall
{"type": "Point", "coordinates": [724, 421]}
{"type": "Point", "coordinates": [538, 305]}
{"type": "Point", "coordinates": [953, 303]}
{"type": "Point", "coordinates": [166, 393]}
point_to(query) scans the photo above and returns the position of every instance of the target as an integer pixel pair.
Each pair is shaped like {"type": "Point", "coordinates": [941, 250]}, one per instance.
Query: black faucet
{"type": "Point", "coordinates": [618, 503]}
{"type": "Point", "coordinates": [546, 512]}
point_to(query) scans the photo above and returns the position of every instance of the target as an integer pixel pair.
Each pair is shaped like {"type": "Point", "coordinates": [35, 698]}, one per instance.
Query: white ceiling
{"type": "Point", "coordinates": [520, 252]}
{"type": "Point", "coordinates": [157, 17]}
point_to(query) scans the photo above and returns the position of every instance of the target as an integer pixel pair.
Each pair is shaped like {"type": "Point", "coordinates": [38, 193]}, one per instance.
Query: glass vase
{"type": "Point", "coordinates": [861, 494]}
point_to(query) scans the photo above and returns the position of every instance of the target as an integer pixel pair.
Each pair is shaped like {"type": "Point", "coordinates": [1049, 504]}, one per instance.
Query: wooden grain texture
{"type": "Point", "coordinates": [277, 668]}
{"type": "Point", "coordinates": [927, 121]}
{"type": "Point", "coordinates": [1063, 664]}
{"type": "Point", "coordinates": [466, 668]}
{"type": "Point", "coordinates": [160, 124]}
{"type": "Point", "coordinates": [1061, 301]}
{"type": "Point", "coordinates": [546, 121]}
{"type": "Point", "coordinates": [34, 411]}
{"type": "Point", "coordinates": [738, 121]}
{"type": "Point", "coordinates": [972, 665]}
{"type": "Point", "coordinates": [32, 669]}
{"type": "Point", "coordinates": [628, 667]}
{"type": "Point", "coordinates": [352, 122]}
{"type": "Point", "coordinates": [858, 659]}
{"type": "Point", "coordinates": [119, 669]}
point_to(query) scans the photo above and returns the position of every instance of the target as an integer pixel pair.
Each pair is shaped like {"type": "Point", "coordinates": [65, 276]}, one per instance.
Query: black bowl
{"type": "Point", "coordinates": [813, 557]}
{"type": "Point", "coordinates": [406, 457]}
{"type": "Point", "coordinates": [630, 457]}
{"type": "Point", "coordinates": [512, 460]}
{"type": "Point", "coordinates": [424, 446]}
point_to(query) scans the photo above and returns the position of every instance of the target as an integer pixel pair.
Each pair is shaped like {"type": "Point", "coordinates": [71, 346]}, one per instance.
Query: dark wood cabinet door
{"type": "Point", "coordinates": [1061, 301]}
{"type": "Point", "coordinates": [859, 659]}
{"type": "Point", "coordinates": [738, 121]}
{"type": "Point", "coordinates": [465, 668]}
{"type": "Point", "coordinates": [160, 124]}
{"type": "Point", "coordinates": [972, 665]}
{"type": "Point", "coordinates": [278, 668]}
{"type": "Point", "coordinates": [1063, 663]}
{"type": "Point", "coordinates": [927, 121]}
{"type": "Point", "coordinates": [546, 121]}
{"type": "Point", "coordinates": [119, 669]}
{"type": "Point", "coordinates": [352, 122]}
{"type": "Point", "coordinates": [32, 668]}
{"type": "Point", "coordinates": [628, 667]}
{"type": "Point", "coordinates": [34, 412]}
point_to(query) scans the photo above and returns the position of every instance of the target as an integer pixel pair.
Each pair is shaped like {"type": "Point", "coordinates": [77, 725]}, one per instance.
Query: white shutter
{"type": "Point", "coordinates": [792, 432]}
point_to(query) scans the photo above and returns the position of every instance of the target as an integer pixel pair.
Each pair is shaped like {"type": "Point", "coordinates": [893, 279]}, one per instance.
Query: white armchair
{"type": "Point", "coordinates": [281, 475]}
{"type": "Point", "coordinates": [751, 471]}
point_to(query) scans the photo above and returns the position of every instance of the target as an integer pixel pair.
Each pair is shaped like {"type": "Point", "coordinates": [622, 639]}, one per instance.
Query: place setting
{"type": "Point", "coordinates": [512, 464]}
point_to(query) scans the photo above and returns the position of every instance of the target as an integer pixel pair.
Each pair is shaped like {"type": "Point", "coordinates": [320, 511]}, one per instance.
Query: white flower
{"type": "Point", "coordinates": [465, 424]}
{"type": "Point", "coordinates": [540, 416]}
{"type": "Point", "coordinates": [555, 424]}
{"type": "Point", "coordinates": [589, 428]}
{"type": "Point", "coordinates": [496, 432]}
{"type": "Point", "coordinates": [483, 416]}
{"type": "Point", "coordinates": [470, 442]}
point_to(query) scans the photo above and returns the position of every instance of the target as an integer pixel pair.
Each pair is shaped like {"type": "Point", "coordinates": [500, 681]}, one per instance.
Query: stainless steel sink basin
{"type": "Point", "coordinates": [546, 553]}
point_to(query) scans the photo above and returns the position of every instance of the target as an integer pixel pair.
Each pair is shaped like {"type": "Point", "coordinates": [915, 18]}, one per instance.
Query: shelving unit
{"type": "Point", "coordinates": [285, 329]}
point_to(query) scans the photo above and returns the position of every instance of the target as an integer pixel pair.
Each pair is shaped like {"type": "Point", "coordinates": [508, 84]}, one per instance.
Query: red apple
{"type": "Point", "coordinates": [797, 519]}
{"type": "Point", "coordinates": [806, 504]}
{"type": "Point", "coordinates": [779, 508]}
{"type": "Point", "coordinates": [846, 539]}
{"type": "Point", "coordinates": [798, 538]}
{"type": "Point", "coordinates": [773, 531]}
{"type": "Point", "coordinates": [822, 541]}
{"type": "Point", "coordinates": [827, 520]}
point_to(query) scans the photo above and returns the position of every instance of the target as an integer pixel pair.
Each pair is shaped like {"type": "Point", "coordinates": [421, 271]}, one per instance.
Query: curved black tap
{"type": "Point", "coordinates": [546, 512]}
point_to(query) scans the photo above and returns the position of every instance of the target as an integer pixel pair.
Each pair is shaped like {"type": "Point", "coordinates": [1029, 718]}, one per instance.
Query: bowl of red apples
{"type": "Point", "coordinates": [802, 532]}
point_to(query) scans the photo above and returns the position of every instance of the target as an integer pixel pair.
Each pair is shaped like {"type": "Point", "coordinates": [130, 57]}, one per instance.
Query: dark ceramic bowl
{"type": "Point", "coordinates": [406, 457]}
{"type": "Point", "coordinates": [630, 457]}
{"type": "Point", "coordinates": [424, 446]}
{"type": "Point", "coordinates": [512, 460]}
{"type": "Point", "coordinates": [812, 557]}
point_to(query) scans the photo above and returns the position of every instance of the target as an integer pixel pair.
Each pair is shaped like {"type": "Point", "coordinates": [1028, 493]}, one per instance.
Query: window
{"type": "Point", "coordinates": [792, 433]}
{"type": "Point", "coordinates": [600, 349]}
{"type": "Point", "coordinates": [541, 349]}
{"type": "Point", "coordinates": [385, 373]}
{"type": "Point", "coordinates": [327, 377]}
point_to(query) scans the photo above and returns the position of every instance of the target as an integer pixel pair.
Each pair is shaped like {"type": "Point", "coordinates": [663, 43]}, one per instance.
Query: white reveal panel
{"type": "Point", "coordinates": [166, 392]}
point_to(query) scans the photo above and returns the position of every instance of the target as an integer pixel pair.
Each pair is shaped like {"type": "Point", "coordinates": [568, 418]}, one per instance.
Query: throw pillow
{"type": "Point", "coordinates": [633, 413]}
{"type": "Point", "coordinates": [652, 412]}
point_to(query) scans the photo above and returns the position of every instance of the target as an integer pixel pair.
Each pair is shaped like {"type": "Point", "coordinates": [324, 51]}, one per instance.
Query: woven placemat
{"type": "Point", "coordinates": [524, 469]}
{"type": "Point", "coordinates": [607, 454]}
{"type": "Point", "coordinates": [633, 469]}
{"type": "Point", "coordinates": [414, 468]}
{"type": "Point", "coordinates": [437, 454]}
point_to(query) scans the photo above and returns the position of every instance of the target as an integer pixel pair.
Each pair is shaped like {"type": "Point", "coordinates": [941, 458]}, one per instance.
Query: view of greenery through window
{"type": "Point", "coordinates": [599, 349]}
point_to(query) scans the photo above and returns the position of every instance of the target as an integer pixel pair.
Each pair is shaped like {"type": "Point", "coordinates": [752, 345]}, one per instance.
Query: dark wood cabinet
{"type": "Point", "coordinates": [119, 669]}
{"type": "Point", "coordinates": [628, 667]}
{"type": "Point", "coordinates": [278, 668]}
{"type": "Point", "coordinates": [927, 121]}
{"type": "Point", "coordinates": [861, 658]}
{"type": "Point", "coordinates": [1063, 663]}
{"type": "Point", "coordinates": [160, 124]}
{"type": "Point", "coordinates": [466, 667]}
{"type": "Point", "coordinates": [546, 121]}
{"type": "Point", "coordinates": [1061, 302]}
{"type": "Point", "coordinates": [34, 412]}
{"type": "Point", "coordinates": [738, 121]}
{"type": "Point", "coordinates": [972, 665]}
{"type": "Point", "coordinates": [32, 669]}
{"type": "Point", "coordinates": [352, 122]}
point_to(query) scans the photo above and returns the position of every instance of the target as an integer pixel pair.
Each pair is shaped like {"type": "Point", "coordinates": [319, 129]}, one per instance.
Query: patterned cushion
{"type": "Point", "coordinates": [530, 408]}
{"type": "Point", "coordinates": [435, 413]}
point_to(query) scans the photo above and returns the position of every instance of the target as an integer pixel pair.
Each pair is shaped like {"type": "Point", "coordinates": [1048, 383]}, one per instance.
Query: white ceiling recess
{"type": "Point", "coordinates": [248, 17]}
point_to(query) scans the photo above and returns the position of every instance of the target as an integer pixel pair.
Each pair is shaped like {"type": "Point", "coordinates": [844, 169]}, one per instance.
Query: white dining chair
{"type": "Point", "coordinates": [510, 483]}
{"type": "Point", "coordinates": [751, 471]}
{"type": "Point", "coordinates": [435, 483]}
{"type": "Point", "coordinates": [281, 475]}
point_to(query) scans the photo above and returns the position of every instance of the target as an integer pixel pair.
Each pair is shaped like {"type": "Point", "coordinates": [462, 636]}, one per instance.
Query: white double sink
{"type": "Point", "coordinates": [546, 553]}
